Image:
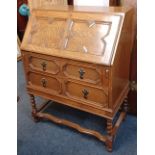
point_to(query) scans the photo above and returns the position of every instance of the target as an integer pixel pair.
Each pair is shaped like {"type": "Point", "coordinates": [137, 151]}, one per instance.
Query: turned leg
{"type": "Point", "coordinates": [125, 105]}
{"type": "Point", "coordinates": [109, 141]}
{"type": "Point", "coordinates": [34, 109]}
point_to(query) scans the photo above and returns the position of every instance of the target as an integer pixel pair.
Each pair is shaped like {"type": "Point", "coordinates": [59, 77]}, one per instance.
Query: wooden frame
{"type": "Point", "coordinates": [48, 80]}
{"type": "Point", "coordinates": [112, 127]}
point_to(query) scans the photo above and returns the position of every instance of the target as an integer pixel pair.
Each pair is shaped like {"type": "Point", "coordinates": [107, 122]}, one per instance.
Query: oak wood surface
{"type": "Point", "coordinates": [109, 40]}
{"type": "Point", "coordinates": [107, 139]}
{"type": "Point", "coordinates": [132, 97]}
{"type": "Point", "coordinates": [80, 59]}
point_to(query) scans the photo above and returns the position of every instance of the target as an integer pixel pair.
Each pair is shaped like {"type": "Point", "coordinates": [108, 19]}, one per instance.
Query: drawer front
{"type": "Point", "coordinates": [48, 84]}
{"type": "Point", "coordinates": [39, 64]}
{"type": "Point", "coordinates": [87, 73]}
{"type": "Point", "coordinates": [87, 94]}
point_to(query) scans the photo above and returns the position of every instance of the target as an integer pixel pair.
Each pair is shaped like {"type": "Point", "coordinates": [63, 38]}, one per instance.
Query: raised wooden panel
{"type": "Point", "coordinates": [94, 35]}
{"type": "Point", "coordinates": [41, 64]}
{"type": "Point", "coordinates": [47, 32]}
{"type": "Point", "coordinates": [86, 94]}
{"type": "Point", "coordinates": [90, 37]}
{"type": "Point", "coordinates": [82, 72]}
{"type": "Point", "coordinates": [45, 83]}
{"type": "Point", "coordinates": [87, 36]}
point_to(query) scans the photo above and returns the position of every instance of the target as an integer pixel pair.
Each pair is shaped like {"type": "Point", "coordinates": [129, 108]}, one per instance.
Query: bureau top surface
{"type": "Point", "coordinates": [89, 34]}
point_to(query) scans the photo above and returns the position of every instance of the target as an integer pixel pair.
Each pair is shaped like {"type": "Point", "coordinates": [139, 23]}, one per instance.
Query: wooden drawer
{"type": "Point", "coordinates": [48, 84]}
{"type": "Point", "coordinates": [65, 68]}
{"type": "Point", "coordinates": [97, 97]}
{"type": "Point", "coordinates": [85, 72]}
{"type": "Point", "coordinates": [42, 64]}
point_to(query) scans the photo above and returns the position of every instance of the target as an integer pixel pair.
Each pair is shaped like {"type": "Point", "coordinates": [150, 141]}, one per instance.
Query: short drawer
{"type": "Point", "coordinates": [44, 65]}
{"type": "Point", "coordinates": [48, 84]}
{"type": "Point", "coordinates": [85, 72]}
{"type": "Point", "coordinates": [87, 94]}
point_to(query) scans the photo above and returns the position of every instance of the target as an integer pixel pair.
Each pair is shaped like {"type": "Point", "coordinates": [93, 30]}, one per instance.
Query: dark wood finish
{"type": "Point", "coordinates": [132, 97]}
{"type": "Point", "coordinates": [133, 66]}
{"type": "Point", "coordinates": [21, 20]}
{"type": "Point", "coordinates": [107, 139]}
{"type": "Point", "coordinates": [125, 105]}
{"type": "Point", "coordinates": [63, 63]}
{"type": "Point", "coordinates": [114, 2]}
{"type": "Point", "coordinates": [70, 2]}
{"type": "Point", "coordinates": [34, 108]}
{"type": "Point", "coordinates": [71, 125]}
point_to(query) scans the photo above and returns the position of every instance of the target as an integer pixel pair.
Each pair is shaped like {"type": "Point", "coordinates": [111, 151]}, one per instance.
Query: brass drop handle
{"type": "Point", "coordinates": [43, 82]}
{"type": "Point", "coordinates": [44, 66]}
{"type": "Point", "coordinates": [85, 93]}
{"type": "Point", "coordinates": [81, 72]}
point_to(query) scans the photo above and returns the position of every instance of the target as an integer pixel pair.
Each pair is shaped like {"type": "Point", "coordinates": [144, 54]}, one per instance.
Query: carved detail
{"type": "Point", "coordinates": [109, 127]}
{"type": "Point", "coordinates": [43, 65]}
{"type": "Point", "coordinates": [109, 143]}
{"type": "Point", "coordinates": [109, 140]}
{"type": "Point", "coordinates": [72, 125]}
{"type": "Point", "coordinates": [44, 34]}
{"type": "Point", "coordinates": [92, 103]}
{"type": "Point", "coordinates": [125, 105]}
{"type": "Point", "coordinates": [112, 130]}
{"type": "Point", "coordinates": [96, 70]}
{"type": "Point", "coordinates": [34, 108]}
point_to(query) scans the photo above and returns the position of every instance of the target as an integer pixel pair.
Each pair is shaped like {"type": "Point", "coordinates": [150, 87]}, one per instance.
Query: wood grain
{"type": "Point", "coordinates": [72, 125]}
{"type": "Point", "coordinates": [80, 57]}
{"type": "Point", "coordinates": [50, 37]}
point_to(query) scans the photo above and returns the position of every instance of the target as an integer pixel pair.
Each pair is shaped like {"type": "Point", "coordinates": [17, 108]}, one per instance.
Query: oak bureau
{"type": "Point", "coordinates": [80, 57]}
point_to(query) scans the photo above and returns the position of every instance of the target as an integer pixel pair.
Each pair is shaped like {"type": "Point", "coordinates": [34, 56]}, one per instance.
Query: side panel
{"type": "Point", "coordinates": [121, 64]}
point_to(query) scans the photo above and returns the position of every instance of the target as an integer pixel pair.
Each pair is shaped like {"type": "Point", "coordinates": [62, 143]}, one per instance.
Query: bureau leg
{"type": "Point", "coordinates": [109, 141]}
{"type": "Point", "coordinates": [125, 106]}
{"type": "Point", "coordinates": [34, 108]}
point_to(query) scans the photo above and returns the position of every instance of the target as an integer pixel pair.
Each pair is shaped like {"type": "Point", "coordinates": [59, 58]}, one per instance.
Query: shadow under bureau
{"type": "Point", "coordinates": [80, 57]}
